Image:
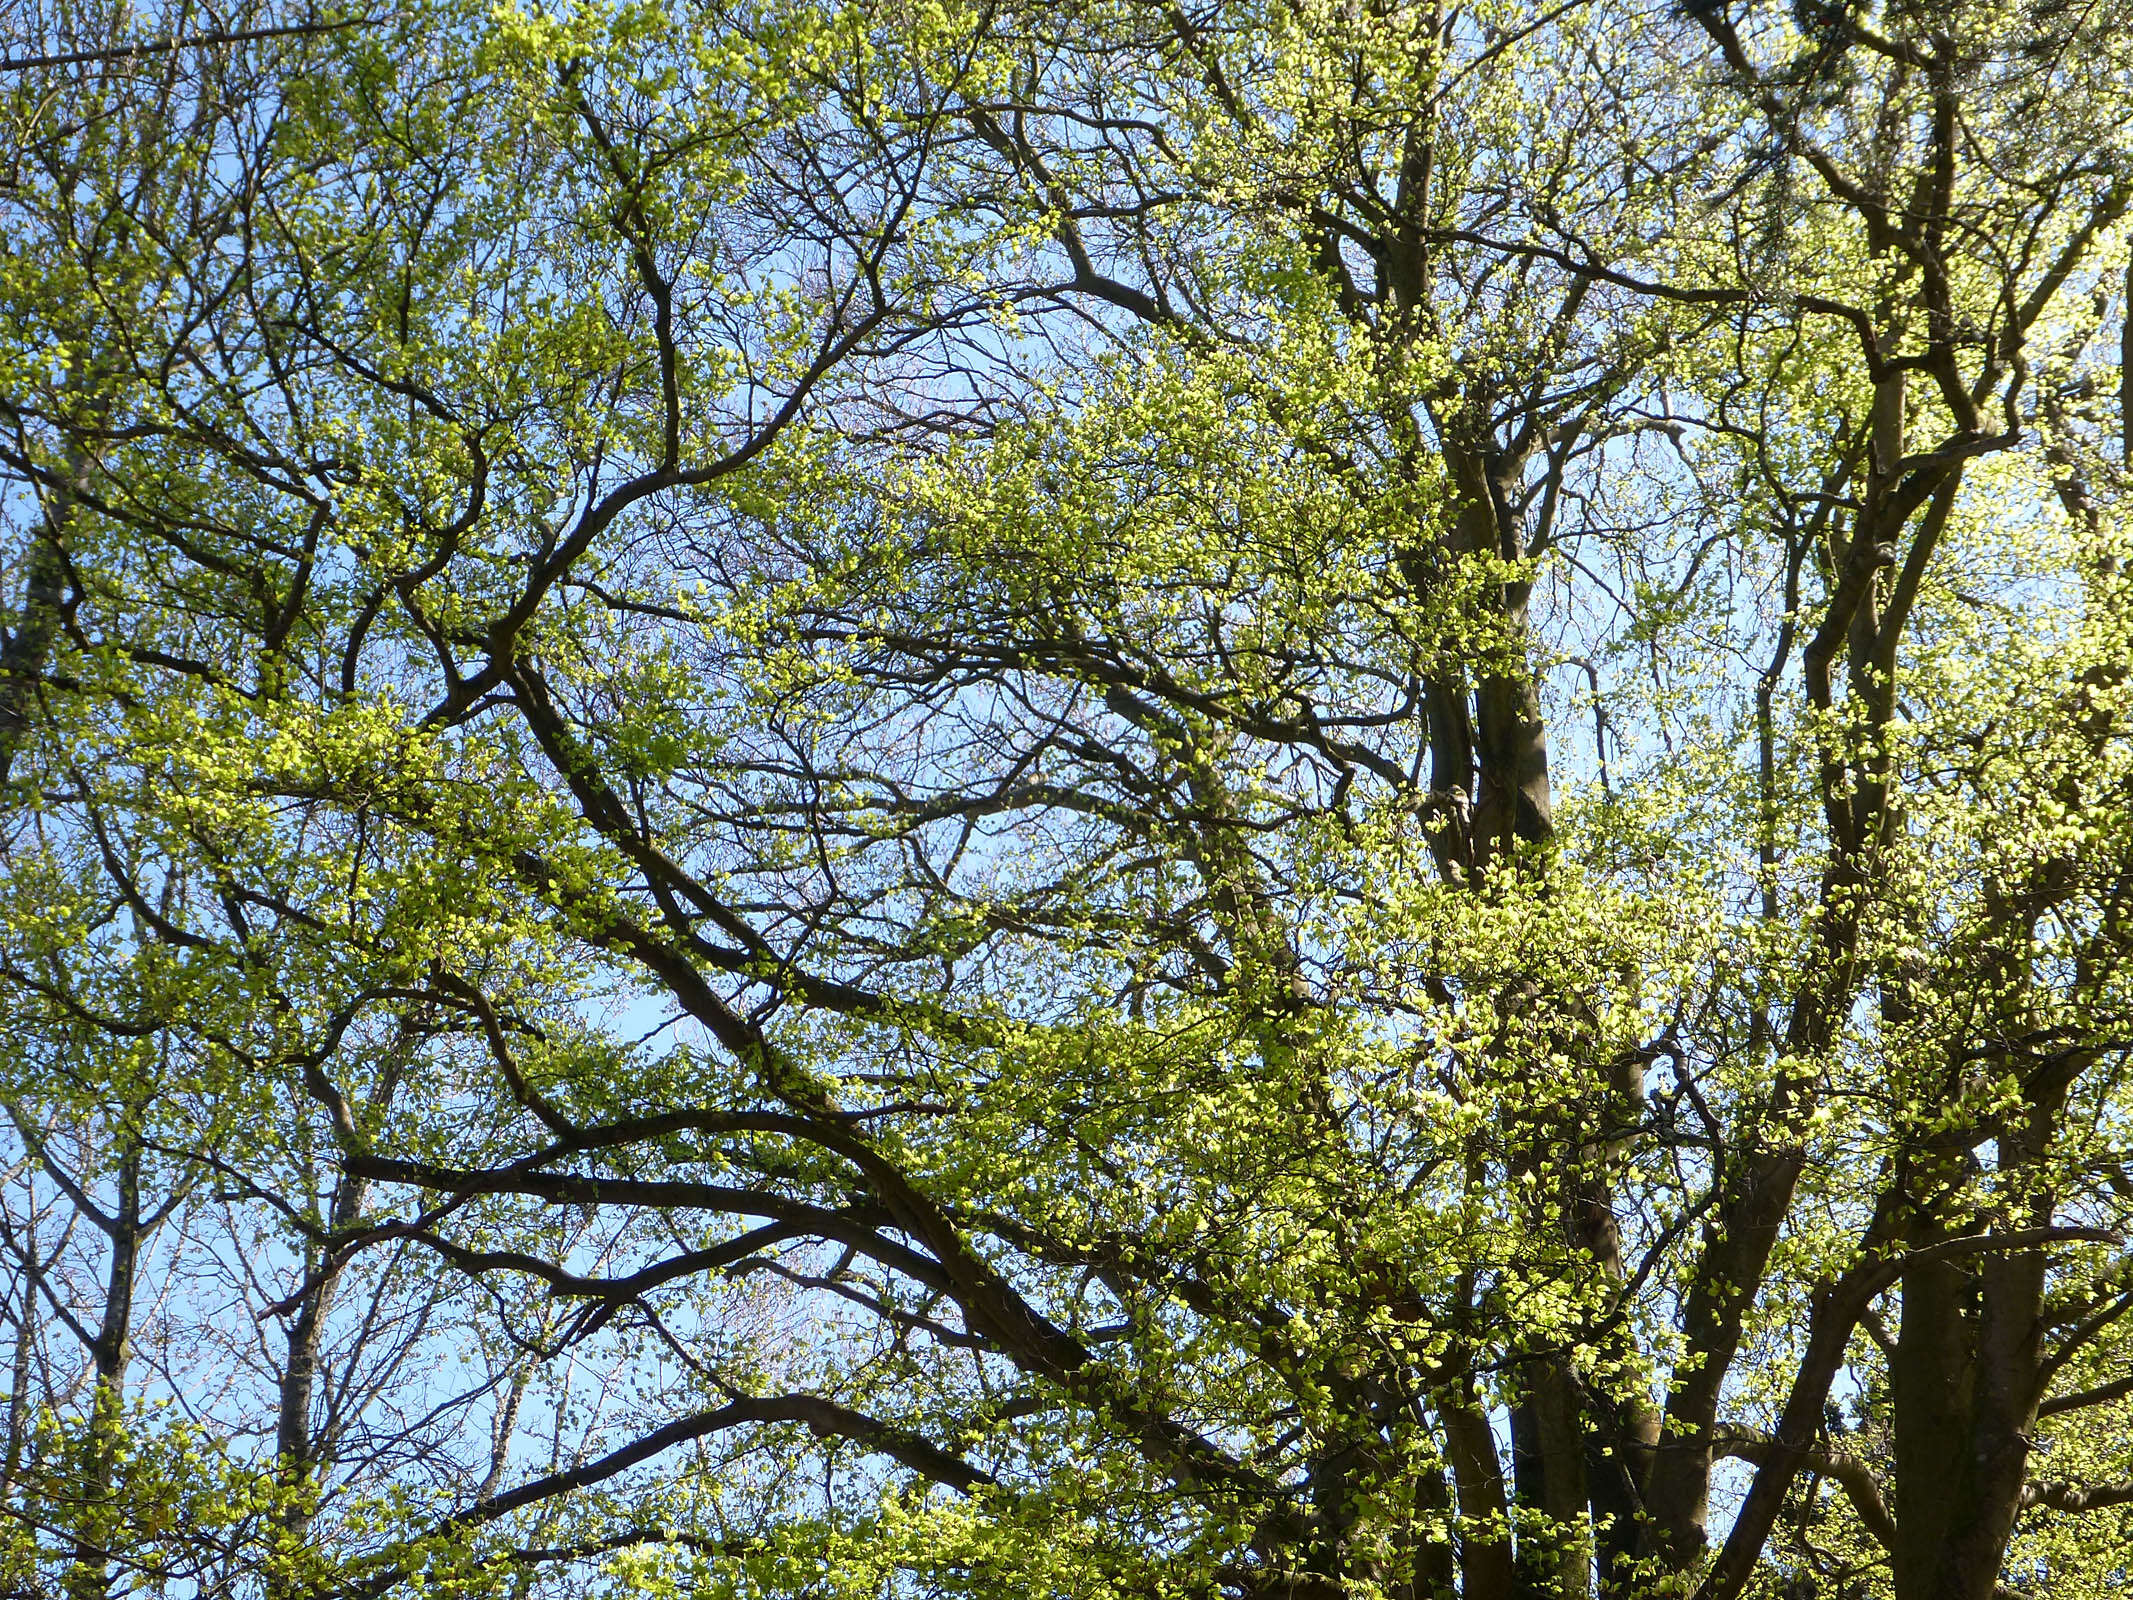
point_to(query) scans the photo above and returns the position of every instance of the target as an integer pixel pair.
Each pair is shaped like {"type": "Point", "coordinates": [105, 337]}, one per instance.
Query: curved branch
{"type": "Point", "coordinates": [1849, 1473]}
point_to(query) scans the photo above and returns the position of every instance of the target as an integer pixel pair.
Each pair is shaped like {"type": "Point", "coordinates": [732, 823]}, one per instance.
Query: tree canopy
{"type": "Point", "coordinates": [1272, 799]}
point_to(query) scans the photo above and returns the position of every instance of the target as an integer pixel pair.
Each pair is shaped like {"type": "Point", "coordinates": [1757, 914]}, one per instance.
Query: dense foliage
{"type": "Point", "coordinates": [1067, 797]}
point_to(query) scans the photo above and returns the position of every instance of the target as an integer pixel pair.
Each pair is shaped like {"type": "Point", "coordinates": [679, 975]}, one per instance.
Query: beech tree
{"type": "Point", "coordinates": [1075, 797]}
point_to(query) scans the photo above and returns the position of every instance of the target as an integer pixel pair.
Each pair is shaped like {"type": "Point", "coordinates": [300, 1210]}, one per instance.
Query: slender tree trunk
{"type": "Point", "coordinates": [294, 1443]}
{"type": "Point", "coordinates": [297, 1453]}
{"type": "Point", "coordinates": [2125, 371]}
{"type": "Point", "coordinates": [18, 1389]}
{"type": "Point", "coordinates": [99, 1516]}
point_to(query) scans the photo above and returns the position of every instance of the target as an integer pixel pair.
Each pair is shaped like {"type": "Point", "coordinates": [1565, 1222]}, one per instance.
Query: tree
{"type": "Point", "coordinates": [1092, 798]}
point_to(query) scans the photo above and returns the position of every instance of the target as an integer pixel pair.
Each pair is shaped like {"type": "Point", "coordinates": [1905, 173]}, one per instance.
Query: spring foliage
{"type": "Point", "coordinates": [1068, 797]}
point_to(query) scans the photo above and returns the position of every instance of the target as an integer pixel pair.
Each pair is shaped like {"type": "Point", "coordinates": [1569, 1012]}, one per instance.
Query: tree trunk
{"type": "Point", "coordinates": [1930, 1383]}
{"type": "Point", "coordinates": [99, 1517]}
